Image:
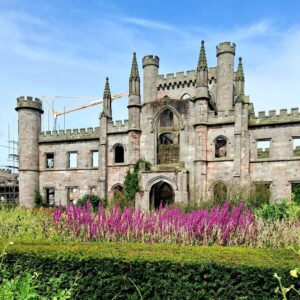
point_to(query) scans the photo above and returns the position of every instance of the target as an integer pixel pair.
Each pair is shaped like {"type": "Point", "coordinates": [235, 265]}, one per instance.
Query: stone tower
{"type": "Point", "coordinates": [225, 74]}
{"type": "Point", "coordinates": [29, 126]}
{"type": "Point", "coordinates": [150, 65]}
{"type": "Point", "coordinates": [105, 117]}
{"type": "Point", "coordinates": [200, 123]}
{"type": "Point", "coordinates": [134, 111]}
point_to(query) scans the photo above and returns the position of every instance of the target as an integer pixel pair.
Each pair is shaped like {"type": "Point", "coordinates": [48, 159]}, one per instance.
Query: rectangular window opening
{"type": "Point", "coordinates": [49, 160]}
{"type": "Point", "coordinates": [95, 159]}
{"type": "Point", "coordinates": [73, 194]}
{"type": "Point", "coordinates": [72, 159]}
{"type": "Point", "coordinates": [296, 192]}
{"type": "Point", "coordinates": [262, 193]}
{"type": "Point", "coordinates": [296, 146]}
{"type": "Point", "coordinates": [263, 148]}
{"type": "Point", "coordinates": [50, 196]}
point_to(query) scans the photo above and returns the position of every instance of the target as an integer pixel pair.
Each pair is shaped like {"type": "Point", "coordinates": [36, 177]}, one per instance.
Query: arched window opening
{"type": "Point", "coordinates": [166, 139]}
{"type": "Point", "coordinates": [119, 154]}
{"type": "Point", "coordinates": [220, 147]}
{"type": "Point", "coordinates": [166, 119]}
{"type": "Point", "coordinates": [161, 194]}
{"type": "Point", "coordinates": [117, 189]}
{"type": "Point", "coordinates": [220, 192]}
{"type": "Point", "coordinates": [186, 96]}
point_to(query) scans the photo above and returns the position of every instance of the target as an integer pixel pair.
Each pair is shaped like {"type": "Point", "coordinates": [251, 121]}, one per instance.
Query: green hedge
{"type": "Point", "coordinates": [107, 270]}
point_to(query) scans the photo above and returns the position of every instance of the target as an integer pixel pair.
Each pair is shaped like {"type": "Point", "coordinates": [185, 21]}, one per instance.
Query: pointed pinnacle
{"type": "Point", "coordinates": [134, 68]}
{"type": "Point", "coordinates": [240, 72]}
{"type": "Point", "coordinates": [106, 93]}
{"type": "Point", "coordinates": [202, 63]}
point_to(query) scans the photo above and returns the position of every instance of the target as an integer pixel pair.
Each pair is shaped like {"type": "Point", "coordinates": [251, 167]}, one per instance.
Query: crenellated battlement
{"type": "Point", "coordinates": [263, 118]}
{"type": "Point", "coordinates": [222, 117]}
{"type": "Point", "coordinates": [149, 60]}
{"type": "Point", "coordinates": [29, 102]}
{"type": "Point", "coordinates": [182, 79]}
{"type": "Point", "coordinates": [225, 47]}
{"type": "Point", "coordinates": [118, 126]}
{"type": "Point", "coordinates": [69, 135]}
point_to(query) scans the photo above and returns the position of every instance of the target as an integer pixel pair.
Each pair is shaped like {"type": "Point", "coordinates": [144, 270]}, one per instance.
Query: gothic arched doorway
{"type": "Point", "coordinates": [161, 194]}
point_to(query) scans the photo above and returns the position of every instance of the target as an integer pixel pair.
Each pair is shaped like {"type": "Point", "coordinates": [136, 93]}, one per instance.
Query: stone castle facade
{"type": "Point", "coordinates": [197, 129]}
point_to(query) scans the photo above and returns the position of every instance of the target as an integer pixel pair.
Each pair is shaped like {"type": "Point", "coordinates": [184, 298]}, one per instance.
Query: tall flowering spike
{"type": "Point", "coordinates": [240, 71]}
{"type": "Point", "coordinates": [202, 63]}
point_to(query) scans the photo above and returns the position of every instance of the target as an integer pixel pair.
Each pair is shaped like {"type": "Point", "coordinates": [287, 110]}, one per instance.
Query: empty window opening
{"type": "Point", "coordinates": [95, 159]}
{"type": "Point", "coordinates": [296, 192]}
{"type": "Point", "coordinates": [49, 160]}
{"type": "Point", "coordinates": [296, 146]}
{"type": "Point", "coordinates": [262, 193]}
{"type": "Point", "coordinates": [185, 97]}
{"type": "Point", "coordinates": [263, 148]}
{"type": "Point", "coordinates": [93, 190]}
{"type": "Point", "coordinates": [166, 139]}
{"type": "Point", "coordinates": [117, 190]}
{"type": "Point", "coordinates": [72, 194]}
{"type": "Point", "coordinates": [73, 160]}
{"type": "Point", "coordinates": [119, 154]}
{"type": "Point", "coordinates": [166, 119]}
{"type": "Point", "coordinates": [220, 192]}
{"type": "Point", "coordinates": [50, 196]}
{"type": "Point", "coordinates": [220, 147]}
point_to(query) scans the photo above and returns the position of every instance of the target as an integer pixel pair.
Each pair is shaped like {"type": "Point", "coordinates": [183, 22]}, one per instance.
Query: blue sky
{"type": "Point", "coordinates": [67, 48]}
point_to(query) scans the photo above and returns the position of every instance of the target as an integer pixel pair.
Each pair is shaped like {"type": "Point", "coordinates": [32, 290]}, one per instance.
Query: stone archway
{"type": "Point", "coordinates": [161, 193]}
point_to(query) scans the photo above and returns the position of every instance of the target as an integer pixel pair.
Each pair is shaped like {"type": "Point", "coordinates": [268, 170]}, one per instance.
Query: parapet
{"type": "Point", "coordinates": [222, 117]}
{"type": "Point", "coordinates": [262, 118]}
{"type": "Point", "coordinates": [150, 60]}
{"type": "Point", "coordinates": [118, 126]}
{"type": "Point", "coordinates": [181, 79]}
{"type": "Point", "coordinates": [70, 135]}
{"type": "Point", "coordinates": [226, 47]}
{"type": "Point", "coordinates": [29, 102]}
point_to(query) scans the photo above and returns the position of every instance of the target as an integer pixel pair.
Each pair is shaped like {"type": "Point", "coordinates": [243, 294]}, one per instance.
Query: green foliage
{"type": "Point", "coordinates": [93, 199]}
{"type": "Point", "coordinates": [38, 199]}
{"type": "Point", "coordinates": [131, 181]}
{"type": "Point", "coordinates": [109, 270]}
{"type": "Point", "coordinates": [296, 192]}
{"type": "Point", "coordinates": [271, 212]}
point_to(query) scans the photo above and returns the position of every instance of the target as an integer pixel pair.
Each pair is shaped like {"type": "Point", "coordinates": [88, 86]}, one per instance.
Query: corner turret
{"type": "Point", "coordinates": [150, 66]}
{"type": "Point", "coordinates": [29, 127]}
{"type": "Point", "coordinates": [225, 73]}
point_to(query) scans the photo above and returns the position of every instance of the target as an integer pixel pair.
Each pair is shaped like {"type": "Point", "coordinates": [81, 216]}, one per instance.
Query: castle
{"type": "Point", "coordinates": [197, 129]}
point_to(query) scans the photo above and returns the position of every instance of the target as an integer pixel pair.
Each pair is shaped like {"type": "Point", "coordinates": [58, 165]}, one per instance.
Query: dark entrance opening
{"type": "Point", "coordinates": [161, 194]}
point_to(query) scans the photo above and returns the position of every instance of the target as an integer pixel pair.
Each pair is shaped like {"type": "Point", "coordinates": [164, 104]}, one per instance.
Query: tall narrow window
{"type": "Point", "coordinates": [95, 159]}
{"type": "Point", "coordinates": [49, 160]}
{"type": "Point", "coordinates": [220, 147]}
{"type": "Point", "coordinates": [263, 148]}
{"type": "Point", "coordinates": [72, 159]}
{"type": "Point", "coordinates": [50, 196]}
{"type": "Point", "coordinates": [72, 194]}
{"type": "Point", "coordinates": [119, 154]}
{"type": "Point", "coordinates": [296, 146]}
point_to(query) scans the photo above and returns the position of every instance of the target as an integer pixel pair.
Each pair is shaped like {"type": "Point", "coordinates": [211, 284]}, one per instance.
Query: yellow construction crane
{"type": "Point", "coordinates": [69, 110]}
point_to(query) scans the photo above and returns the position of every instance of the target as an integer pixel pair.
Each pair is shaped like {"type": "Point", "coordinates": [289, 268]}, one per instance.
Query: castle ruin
{"type": "Point", "coordinates": [197, 129]}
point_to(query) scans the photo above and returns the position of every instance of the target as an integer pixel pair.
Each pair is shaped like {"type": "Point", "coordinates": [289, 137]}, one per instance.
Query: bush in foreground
{"type": "Point", "coordinates": [108, 270]}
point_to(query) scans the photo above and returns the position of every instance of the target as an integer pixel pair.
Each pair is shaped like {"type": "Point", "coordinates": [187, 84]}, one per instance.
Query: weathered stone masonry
{"type": "Point", "coordinates": [198, 129]}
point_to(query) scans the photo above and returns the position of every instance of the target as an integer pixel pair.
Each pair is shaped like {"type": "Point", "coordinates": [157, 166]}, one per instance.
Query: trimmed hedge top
{"type": "Point", "coordinates": [227, 256]}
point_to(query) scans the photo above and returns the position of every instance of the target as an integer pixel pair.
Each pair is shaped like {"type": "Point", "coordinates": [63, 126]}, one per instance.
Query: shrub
{"type": "Point", "coordinates": [277, 211]}
{"type": "Point", "coordinates": [109, 270]}
{"type": "Point", "coordinates": [95, 200]}
{"type": "Point", "coordinates": [38, 199]}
